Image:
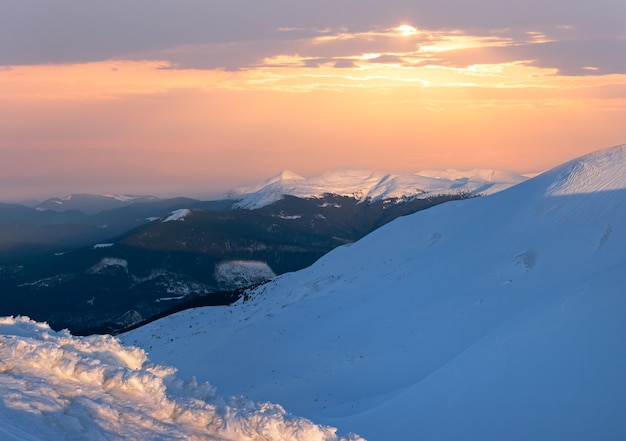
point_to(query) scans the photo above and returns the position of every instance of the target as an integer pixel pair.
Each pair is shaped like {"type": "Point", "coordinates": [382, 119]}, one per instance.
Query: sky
{"type": "Point", "coordinates": [197, 97]}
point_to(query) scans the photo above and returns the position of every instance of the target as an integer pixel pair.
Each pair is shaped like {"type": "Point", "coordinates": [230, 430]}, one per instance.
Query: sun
{"type": "Point", "coordinates": [406, 30]}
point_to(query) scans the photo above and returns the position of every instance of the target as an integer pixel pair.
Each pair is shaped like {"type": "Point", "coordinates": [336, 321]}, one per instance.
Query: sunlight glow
{"type": "Point", "coordinates": [453, 42]}
{"type": "Point", "coordinates": [538, 37]}
{"type": "Point", "coordinates": [328, 96]}
{"type": "Point", "coordinates": [406, 30]}
{"type": "Point", "coordinates": [369, 56]}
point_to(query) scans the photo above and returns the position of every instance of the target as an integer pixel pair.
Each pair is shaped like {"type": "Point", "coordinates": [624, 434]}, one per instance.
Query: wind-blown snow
{"type": "Point", "coordinates": [491, 318]}
{"type": "Point", "coordinates": [600, 171]}
{"type": "Point", "coordinates": [364, 184]}
{"type": "Point", "coordinates": [178, 215]}
{"type": "Point", "coordinates": [54, 386]}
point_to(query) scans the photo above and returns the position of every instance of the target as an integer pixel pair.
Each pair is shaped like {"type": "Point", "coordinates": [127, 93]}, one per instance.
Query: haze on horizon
{"type": "Point", "coordinates": [198, 96]}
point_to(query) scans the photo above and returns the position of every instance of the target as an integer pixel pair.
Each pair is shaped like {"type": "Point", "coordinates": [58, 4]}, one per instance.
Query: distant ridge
{"type": "Point", "coordinates": [372, 185]}
{"type": "Point", "coordinates": [91, 203]}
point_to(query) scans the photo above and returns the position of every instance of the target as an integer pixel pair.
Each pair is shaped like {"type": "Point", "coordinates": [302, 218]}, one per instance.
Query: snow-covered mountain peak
{"type": "Point", "coordinates": [286, 175]}
{"type": "Point", "coordinates": [604, 170]}
{"type": "Point", "coordinates": [372, 185]}
{"type": "Point", "coordinates": [279, 179]}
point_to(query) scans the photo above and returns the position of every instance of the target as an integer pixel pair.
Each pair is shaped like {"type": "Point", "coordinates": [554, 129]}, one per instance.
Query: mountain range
{"type": "Point", "coordinates": [176, 253]}
{"type": "Point", "coordinates": [374, 186]}
{"type": "Point", "coordinates": [79, 220]}
{"type": "Point", "coordinates": [489, 318]}
{"type": "Point", "coordinates": [76, 220]}
{"type": "Point", "coordinates": [91, 203]}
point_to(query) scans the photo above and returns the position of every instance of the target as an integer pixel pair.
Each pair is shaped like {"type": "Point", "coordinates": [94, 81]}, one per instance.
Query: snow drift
{"type": "Point", "coordinates": [54, 386]}
{"type": "Point", "coordinates": [492, 318]}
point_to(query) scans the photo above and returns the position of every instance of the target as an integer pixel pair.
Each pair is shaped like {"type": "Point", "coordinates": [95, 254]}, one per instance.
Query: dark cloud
{"type": "Point", "coordinates": [388, 59]}
{"type": "Point", "coordinates": [344, 64]}
{"type": "Point", "coordinates": [571, 57]}
{"type": "Point", "coordinates": [597, 56]}
{"type": "Point", "coordinates": [40, 31]}
{"type": "Point", "coordinates": [317, 62]}
{"type": "Point", "coordinates": [237, 34]}
{"type": "Point", "coordinates": [581, 57]}
{"type": "Point", "coordinates": [227, 56]}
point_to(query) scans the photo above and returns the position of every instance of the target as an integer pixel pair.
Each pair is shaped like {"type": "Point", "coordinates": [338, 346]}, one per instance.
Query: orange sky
{"type": "Point", "coordinates": [419, 100]}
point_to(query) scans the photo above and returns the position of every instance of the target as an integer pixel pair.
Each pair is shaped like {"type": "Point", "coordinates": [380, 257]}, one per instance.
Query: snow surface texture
{"type": "Point", "coordinates": [54, 386]}
{"type": "Point", "coordinates": [364, 184]}
{"type": "Point", "coordinates": [485, 319]}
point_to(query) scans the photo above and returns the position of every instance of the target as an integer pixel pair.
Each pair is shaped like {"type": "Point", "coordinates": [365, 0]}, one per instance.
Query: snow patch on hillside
{"type": "Point", "coordinates": [48, 281]}
{"type": "Point", "coordinates": [177, 215]}
{"type": "Point", "coordinates": [108, 262]}
{"type": "Point", "coordinates": [236, 274]}
{"type": "Point", "coordinates": [281, 215]}
{"type": "Point", "coordinates": [128, 197]}
{"type": "Point", "coordinates": [102, 245]}
{"type": "Point", "coordinates": [54, 386]}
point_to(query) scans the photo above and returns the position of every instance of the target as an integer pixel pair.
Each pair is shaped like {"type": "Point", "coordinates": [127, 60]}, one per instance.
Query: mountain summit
{"type": "Point", "coordinates": [490, 318]}
{"type": "Point", "coordinates": [373, 186]}
{"type": "Point", "coordinates": [601, 171]}
{"type": "Point", "coordinates": [287, 175]}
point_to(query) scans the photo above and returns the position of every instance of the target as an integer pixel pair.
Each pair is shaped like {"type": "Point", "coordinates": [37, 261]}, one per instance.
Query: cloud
{"type": "Point", "coordinates": [548, 48]}
{"type": "Point", "coordinates": [580, 57]}
{"type": "Point", "coordinates": [388, 59]}
{"type": "Point", "coordinates": [344, 64]}
{"type": "Point", "coordinates": [239, 34]}
{"type": "Point", "coordinates": [567, 57]}
{"type": "Point", "coordinates": [169, 84]}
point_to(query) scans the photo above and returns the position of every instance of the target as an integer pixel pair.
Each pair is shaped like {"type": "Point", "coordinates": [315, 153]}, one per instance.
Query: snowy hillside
{"type": "Point", "coordinates": [486, 319]}
{"type": "Point", "coordinates": [364, 184]}
{"type": "Point", "coordinates": [57, 387]}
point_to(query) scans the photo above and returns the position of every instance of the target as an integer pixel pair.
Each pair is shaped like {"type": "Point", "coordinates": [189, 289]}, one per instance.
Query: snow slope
{"type": "Point", "coordinates": [485, 319]}
{"type": "Point", "coordinates": [365, 184]}
{"type": "Point", "coordinates": [54, 386]}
